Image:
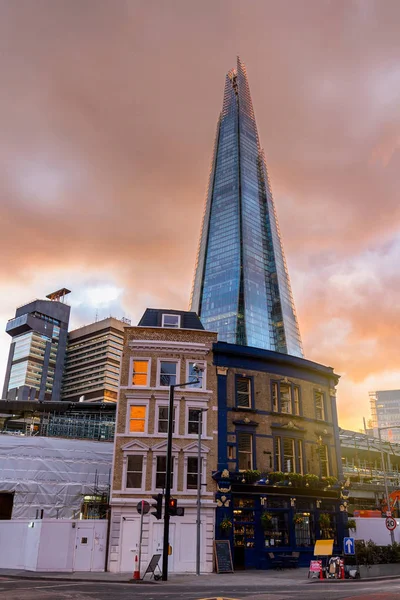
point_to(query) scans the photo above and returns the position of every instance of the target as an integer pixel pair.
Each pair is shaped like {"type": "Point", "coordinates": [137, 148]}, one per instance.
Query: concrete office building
{"type": "Point", "coordinates": [37, 351]}
{"type": "Point", "coordinates": [93, 359]}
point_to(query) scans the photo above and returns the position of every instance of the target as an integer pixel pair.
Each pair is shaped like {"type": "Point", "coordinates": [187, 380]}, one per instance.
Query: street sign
{"type": "Point", "coordinates": [349, 546]}
{"type": "Point", "coordinates": [391, 523]}
{"type": "Point", "coordinates": [145, 505]}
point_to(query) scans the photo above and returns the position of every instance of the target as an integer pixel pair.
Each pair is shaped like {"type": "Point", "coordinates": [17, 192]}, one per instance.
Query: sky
{"type": "Point", "coordinates": [107, 117]}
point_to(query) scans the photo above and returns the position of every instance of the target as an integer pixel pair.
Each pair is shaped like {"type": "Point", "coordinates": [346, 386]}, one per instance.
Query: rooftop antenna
{"type": "Point", "coordinates": [97, 315]}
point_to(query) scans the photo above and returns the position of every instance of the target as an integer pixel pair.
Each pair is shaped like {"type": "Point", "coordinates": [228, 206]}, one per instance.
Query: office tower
{"type": "Point", "coordinates": [385, 414]}
{"type": "Point", "coordinates": [93, 359]}
{"type": "Point", "coordinates": [37, 351]}
{"type": "Point", "coordinates": [241, 287]}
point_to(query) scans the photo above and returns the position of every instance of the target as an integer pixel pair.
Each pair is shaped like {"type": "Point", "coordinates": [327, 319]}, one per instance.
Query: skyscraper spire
{"type": "Point", "coordinates": [241, 286]}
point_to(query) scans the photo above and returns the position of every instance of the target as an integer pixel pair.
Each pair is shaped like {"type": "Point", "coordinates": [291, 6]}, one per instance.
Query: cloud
{"type": "Point", "coordinates": [108, 114]}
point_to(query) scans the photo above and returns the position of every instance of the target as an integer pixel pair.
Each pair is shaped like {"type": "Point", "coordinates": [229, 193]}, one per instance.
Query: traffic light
{"type": "Point", "coordinates": [157, 506]}
{"type": "Point", "coordinates": [173, 505]}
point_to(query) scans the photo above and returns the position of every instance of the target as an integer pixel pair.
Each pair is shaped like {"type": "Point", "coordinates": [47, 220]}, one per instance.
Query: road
{"type": "Point", "coordinates": [15, 589]}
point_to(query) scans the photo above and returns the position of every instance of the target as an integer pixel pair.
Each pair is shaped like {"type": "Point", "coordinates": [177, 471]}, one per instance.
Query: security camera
{"type": "Point", "coordinates": [197, 368]}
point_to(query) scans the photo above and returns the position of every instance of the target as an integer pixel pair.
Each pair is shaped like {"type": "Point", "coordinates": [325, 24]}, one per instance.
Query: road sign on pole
{"type": "Point", "coordinates": [349, 546]}
{"type": "Point", "coordinates": [391, 523]}
{"type": "Point", "coordinates": [144, 506]}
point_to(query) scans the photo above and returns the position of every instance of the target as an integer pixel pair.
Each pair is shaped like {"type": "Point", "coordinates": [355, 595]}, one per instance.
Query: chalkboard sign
{"type": "Point", "coordinates": [223, 556]}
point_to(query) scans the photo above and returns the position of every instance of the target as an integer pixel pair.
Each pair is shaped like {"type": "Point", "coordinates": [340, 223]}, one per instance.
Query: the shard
{"type": "Point", "coordinates": [241, 286]}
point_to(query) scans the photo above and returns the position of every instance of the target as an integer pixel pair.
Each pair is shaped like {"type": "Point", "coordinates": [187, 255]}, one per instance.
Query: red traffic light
{"type": "Point", "coordinates": [172, 506]}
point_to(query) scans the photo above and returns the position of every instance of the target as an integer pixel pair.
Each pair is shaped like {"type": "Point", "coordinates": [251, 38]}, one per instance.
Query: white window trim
{"type": "Point", "coordinates": [137, 402]}
{"type": "Point", "coordinates": [192, 452]}
{"type": "Point", "coordinates": [202, 364]}
{"type": "Point", "coordinates": [169, 326]}
{"type": "Point", "coordinates": [154, 470]}
{"type": "Point", "coordinates": [166, 404]}
{"type": "Point", "coordinates": [138, 387]}
{"type": "Point", "coordinates": [195, 406]}
{"type": "Point", "coordinates": [178, 372]}
{"type": "Point", "coordinates": [125, 470]}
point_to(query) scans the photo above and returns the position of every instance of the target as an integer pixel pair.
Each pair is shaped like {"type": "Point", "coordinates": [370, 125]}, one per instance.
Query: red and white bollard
{"type": "Point", "coordinates": [342, 569]}
{"type": "Point", "coordinates": [321, 572]}
{"type": "Point", "coordinates": [136, 572]}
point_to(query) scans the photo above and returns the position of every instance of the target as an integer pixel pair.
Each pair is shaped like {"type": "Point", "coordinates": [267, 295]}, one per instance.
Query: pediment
{"type": "Point", "coordinates": [163, 447]}
{"type": "Point", "coordinates": [193, 447]}
{"type": "Point", "coordinates": [289, 426]}
{"type": "Point", "coordinates": [135, 445]}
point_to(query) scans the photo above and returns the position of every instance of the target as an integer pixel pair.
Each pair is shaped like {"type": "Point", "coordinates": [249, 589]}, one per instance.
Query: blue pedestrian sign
{"type": "Point", "coordinates": [349, 545]}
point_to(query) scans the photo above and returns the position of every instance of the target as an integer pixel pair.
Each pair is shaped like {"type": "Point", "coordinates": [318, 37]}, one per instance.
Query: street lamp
{"type": "Point", "coordinates": [384, 477]}
{"type": "Point", "coordinates": [199, 472]}
{"type": "Point", "coordinates": [196, 370]}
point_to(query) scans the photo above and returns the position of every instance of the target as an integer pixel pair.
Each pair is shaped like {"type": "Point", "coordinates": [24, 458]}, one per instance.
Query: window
{"type": "Point", "coordinates": [304, 529]}
{"type": "Point", "coordinates": [134, 471]}
{"type": "Point", "coordinates": [192, 473]}
{"type": "Point", "coordinates": [168, 371]}
{"type": "Point", "coordinates": [243, 392]}
{"type": "Point", "coordinates": [288, 455]}
{"type": "Point", "coordinates": [163, 419]}
{"type": "Point", "coordinates": [171, 321]}
{"type": "Point", "coordinates": [193, 375]}
{"type": "Point", "coordinates": [140, 373]}
{"type": "Point", "coordinates": [193, 421]}
{"type": "Point", "coordinates": [137, 419]}
{"type": "Point", "coordinates": [324, 460]}
{"type": "Point", "coordinates": [275, 394]}
{"type": "Point", "coordinates": [319, 406]}
{"type": "Point", "coordinates": [285, 397]}
{"type": "Point", "coordinates": [286, 404]}
{"type": "Point", "coordinates": [161, 468]}
{"type": "Point", "coordinates": [245, 450]}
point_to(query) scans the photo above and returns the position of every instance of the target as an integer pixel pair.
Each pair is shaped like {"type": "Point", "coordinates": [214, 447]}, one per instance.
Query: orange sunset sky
{"type": "Point", "coordinates": [108, 112]}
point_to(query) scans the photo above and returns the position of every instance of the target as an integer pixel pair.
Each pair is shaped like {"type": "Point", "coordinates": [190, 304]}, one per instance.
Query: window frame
{"type": "Point", "coordinates": [279, 454]}
{"type": "Point", "coordinates": [165, 404]}
{"type": "Point", "coordinates": [203, 378]}
{"type": "Point", "coordinates": [250, 380]}
{"type": "Point", "coordinates": [192, 452]}
{"type": "Point", "coordinates": [195, 406]}
{"type": "Point", "coordinates": [128, 453]}
{"type": "Point", "coordinates": [294, 390]}
{"type": "Point", "coordinates": [177, 361]}
{"type": "Point", "coordinates": [157, 455]}
{"type": "Point", "coordinates": [323, 405]}
{"type": "Point", "coordinates": [251, 453]}
{"type": "Point", "coordinates": [131, 361]}
{"type": "Point", "coordinates": [137, 402]}
{"type": "Point", "coordinates": [178, 326]}
{"type": "Point", "coordinates": [327, 459]}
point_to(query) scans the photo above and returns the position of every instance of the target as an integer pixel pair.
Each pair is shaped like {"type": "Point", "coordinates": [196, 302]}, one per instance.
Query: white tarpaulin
{"type": "Point", "coordinates": [52, 474]}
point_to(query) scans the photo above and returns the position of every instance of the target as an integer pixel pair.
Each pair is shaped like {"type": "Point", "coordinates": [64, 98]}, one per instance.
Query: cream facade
{"type": "Point", "coordinates": [153, 359]}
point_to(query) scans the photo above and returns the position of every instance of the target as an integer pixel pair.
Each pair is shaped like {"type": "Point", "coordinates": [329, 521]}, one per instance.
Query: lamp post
{"type": "Point", "coordinates": [172, 387]}
{"type": "Point", "coordinates": [385, 478]}
{"type": "Point", "coordinates": [199, 483]}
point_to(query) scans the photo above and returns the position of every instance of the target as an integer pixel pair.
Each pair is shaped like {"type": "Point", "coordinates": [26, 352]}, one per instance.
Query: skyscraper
{"type": "Point", "coordinates": [241, 287]}
{"type": "Point", "coordinates": [37, 351]}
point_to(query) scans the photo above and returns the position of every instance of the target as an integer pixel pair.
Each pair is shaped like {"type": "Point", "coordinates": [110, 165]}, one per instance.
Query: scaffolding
{"type": "Point", "coordinates": [96, 426]}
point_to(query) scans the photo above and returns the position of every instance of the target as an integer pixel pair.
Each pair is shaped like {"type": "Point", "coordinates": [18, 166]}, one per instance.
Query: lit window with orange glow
{"type": "Point", "coordinates": [137, 419]}
{"type": "Point", "coordinates": [140, 372]}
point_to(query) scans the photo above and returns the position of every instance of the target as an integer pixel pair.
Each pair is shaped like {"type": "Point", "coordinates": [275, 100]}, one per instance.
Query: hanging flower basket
{"type": "Point", "coordinates": [324, 521]}
{"type": "Point", "coordinates": [225, 525]}
{"type": "Point", "coordinates": [298, 519]}
{"type": "Point", "coordinates": [266, 521]}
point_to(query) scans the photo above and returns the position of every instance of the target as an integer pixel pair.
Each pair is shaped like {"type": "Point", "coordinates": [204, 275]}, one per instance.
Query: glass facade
{"type": "Point", "coordinates": [241, 287]}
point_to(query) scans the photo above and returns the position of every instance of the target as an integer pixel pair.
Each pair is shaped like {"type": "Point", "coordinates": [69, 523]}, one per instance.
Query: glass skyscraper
{"type": "Point", "coordinates": [241, 287]}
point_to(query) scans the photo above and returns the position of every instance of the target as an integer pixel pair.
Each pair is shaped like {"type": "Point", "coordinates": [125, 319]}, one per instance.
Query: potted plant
{"type": "Point", "coordinates": [251, 476]}
{"type": "Point", "coordinates": [351, 524]}
{"type": "Point", "coordinates": [311, 480]}
{"type": "Point", "coordinates": [225, 525]}
{"type": "Point", "coordinates": [266, 521]}
{"type": "Point", "coordinates": [276, 477]}
{"type": "Point", "coordinates": [324, 521]}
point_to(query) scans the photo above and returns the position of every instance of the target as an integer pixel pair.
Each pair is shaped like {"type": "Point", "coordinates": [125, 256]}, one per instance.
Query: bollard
{"type": "Point", "coordinates": [136, 572]}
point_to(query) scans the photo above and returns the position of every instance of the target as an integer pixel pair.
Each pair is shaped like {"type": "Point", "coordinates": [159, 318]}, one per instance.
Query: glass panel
{"type": "Point", "coordinates": [300, 456]}
{"type": "Point", "coordinates": [193, 420]}
{"type": "Point", "coordinates": [277, 533]}
{"type": "Point", "coordinates": [167, 373]}
{"type": "Point", "coordinates": [296, 400]}
{"type": "Point", "coordinates": [139, 372]}
{"type": "Point", "coordinates": [161, 468]}
{"type": "Point", "coordinates": [275, 397]}
{"type": "Point", "coordinates": [285, 398]}
{"type": "Point", "coordinates": [134, 471]}
{"type": "Point", "coordinates": [319, 406]}
{"type": "Point", "coordinates": [289, 462]}
{"type": "Point", "coordinates": [195, 375]}
{"type": "Point", "coordinates": [304, 529]}
{"type": "Point", "coordinates": [192, 473]}
{"type": "Point", "coordinates": [163, 419]}
{"type": "Point", "coordinates": [243, 392]}
{"type": "Point", "coordinates": [137, 419]}
{"type": "Point", "coordinates": [171, 320]}
{"type": "Point", "coordinates": [278, 457]}
{"type": "Point", "coordinates": [323, 452]}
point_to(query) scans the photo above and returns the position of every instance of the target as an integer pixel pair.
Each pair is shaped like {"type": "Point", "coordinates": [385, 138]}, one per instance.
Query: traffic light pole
{"type": "Point", "coordinates": [168, 474]}
{"type": "Point", "coordinates": [168, 484]}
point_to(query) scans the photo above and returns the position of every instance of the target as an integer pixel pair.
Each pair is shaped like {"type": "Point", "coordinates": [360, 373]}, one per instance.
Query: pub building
{"type": "Point", "coordinates": [279, 470]}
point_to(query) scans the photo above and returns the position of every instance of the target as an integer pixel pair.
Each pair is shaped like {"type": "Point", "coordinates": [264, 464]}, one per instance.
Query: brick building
{"type": "Point", "coordinates": [159, 352]}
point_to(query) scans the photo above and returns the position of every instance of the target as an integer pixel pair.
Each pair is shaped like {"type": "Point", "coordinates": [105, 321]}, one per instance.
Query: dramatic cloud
{"type": "Point", "coordinates": [108, 113]}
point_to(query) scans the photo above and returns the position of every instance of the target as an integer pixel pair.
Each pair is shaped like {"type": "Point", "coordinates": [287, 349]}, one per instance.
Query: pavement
{"type": "Point", "coordinates": [251, 577]}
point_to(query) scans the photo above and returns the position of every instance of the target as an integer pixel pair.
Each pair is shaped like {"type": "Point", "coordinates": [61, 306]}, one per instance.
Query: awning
{"type": "Point", "coordinates": [323, 548]}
